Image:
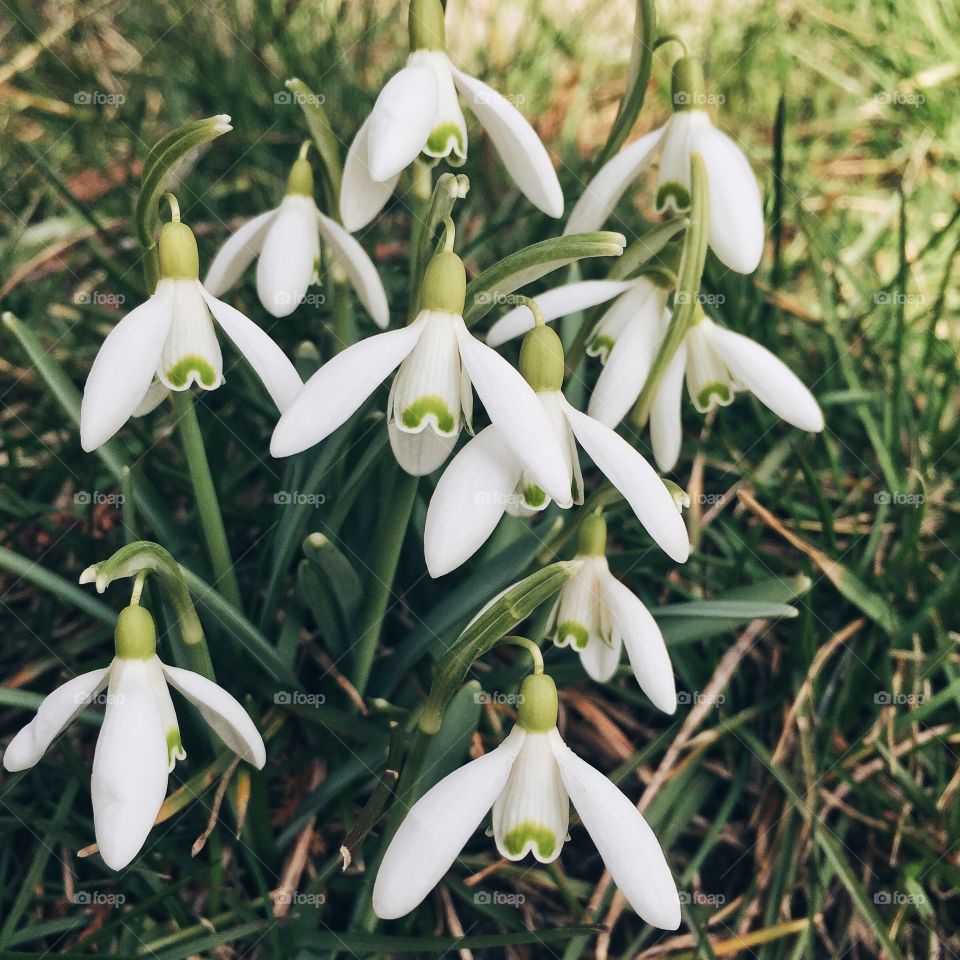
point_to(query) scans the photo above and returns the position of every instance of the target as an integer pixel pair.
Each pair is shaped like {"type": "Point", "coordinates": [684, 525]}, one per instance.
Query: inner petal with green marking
{"type": "Point", "coordinates": [528, 836]}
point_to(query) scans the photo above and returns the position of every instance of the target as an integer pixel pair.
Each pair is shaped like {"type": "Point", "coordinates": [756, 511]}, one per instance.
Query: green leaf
{"type": "Point", "coordinates": [328, 147]}
{"type": "Point", "coordinates": [447, 750]}
{"type": "Point", "coordinates": [533, 262]}
{"type": "Point", "coordinates": [384, 943]}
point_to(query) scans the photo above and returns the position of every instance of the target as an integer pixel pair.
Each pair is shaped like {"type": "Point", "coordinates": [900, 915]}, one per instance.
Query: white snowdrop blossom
{"type": "Point", "coordinates": [139, 741]}
{"type": "Point", "coordinates": [735, 231]}
{"type": "Point", "coordinates": [418, 112]}
{"type": "Point", "coordinates": [169, 343]}
{"type": "Point", "coordinates": [287, 241]}
{"type": "Point", "coordinates": [432, 395]}
{"type": "Point", "coordinates": [529, 781]}
{"type": "Point", "coordinates": [597, 616]}
{"type": "Point", "coordinates": [488, 478]}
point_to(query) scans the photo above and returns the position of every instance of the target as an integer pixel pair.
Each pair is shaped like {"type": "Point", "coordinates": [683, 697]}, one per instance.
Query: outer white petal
{"type": "Point", "coordinates": [338, 388]}
{"type": "Point", "coordinates": [54, 713]}
{"type": "Point", "coordinates": [342, 249]}
{"type": "Point", "coordinates": [639, 483]}
{"type": "Point", "coordinates": [269, 362]}
{"type": "Point", "coordinates": [601, 658]}
{"type": "Point", "coordinates": [191, 353]}
{"type": "Point", "coordinates": [237, 253]}
{"type": "Point", "coordinates": [736, 208]}
{"type": "Point", "coordinates": [155, 395]}
{"type": "Point", "coordinates": [634, 623]}
{"type": "Point", "coordinates": [288, 260]}
{"type": "Point", "coordinates": [437, 827]}
{"type": "Point", "coordinates": [131, 762]}
{"type": "Point", "coordinates": [630, 360]}
{"type": "Point", "coordinates": [124, 368]}
{"type": "Point", "coordinates": [401, 120]}
{"type": "Point", "coordinates": [420, 453]}
{"type": "Point", "coordinates": [610, 183]}
{"type": "Point", "coordinates": [362, 197]}
{"type": "Point", "coordinates": [673, 175]}
{"type": "Point", "coordinates": [666, 425]}
{"type": "Point", "coordinates": [773, 383]}
{"type": "Point", "coordinates": [520, 149]}
{"type": "Point", "coordinates": [623, 838]}
{"type": "Point", "coordinates": [469, 501]}
{"type": "Point", "coordinates": [559, 302]}
{"type": "Point", "coordinates": [518, 415]}
{"type": "Point", "coordinates": [222, 711]}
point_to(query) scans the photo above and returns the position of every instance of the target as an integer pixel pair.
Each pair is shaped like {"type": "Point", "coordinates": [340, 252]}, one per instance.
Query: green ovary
{"type": "Point", "coordinates": [676, 192]}
{"type": "Point", "coordinates": [434, 407]}
{"type": "Point", "coordinates": [719, 391]}
{"type": "Point", "coordinates": [179, 374]}
{"type": "Point", "coordinates": [439, 141]}
{"type": "Point", "coordinates": [571, 630]}
{"type": "Point", "coordinates": [542, 837]}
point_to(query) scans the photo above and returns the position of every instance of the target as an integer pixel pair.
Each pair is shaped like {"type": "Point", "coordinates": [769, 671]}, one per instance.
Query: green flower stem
{"type": "Point", "coordinates": [225, 578]}
{"type": "Point", "coordinates": [535, 654]}
{"type": "Point", "coordinates": [686, 301]}
{"type": "Point", "coordinates": [342, 312]}
{"type": "Point", "coordinates": [396, 507]}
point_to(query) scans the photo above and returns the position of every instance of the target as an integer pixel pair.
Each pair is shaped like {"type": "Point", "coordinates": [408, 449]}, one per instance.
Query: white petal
{"type": "Point", "coordinates": [673, 176]}
{"type": "Point", "coordinates": [269, 362]}
{"type": "Point", "coordinates": [56, 710]}
{"type": "Point", "coordinates": [577, 614]}
{"type": "Point", "coordinates": [646, 649]}
{"type": "Point", "coordinates": [630, 359]}
{"type": "Point", "coordinates": [437, 828]}
{"type": "Point", "coordinates": [192, 352]}
{"type": "Point", "coordinates": [124, 368]}
{"type": "Point", "coordinates": [401, 120]}
{"type": "Point", "coordinates": [155, 395]}
{"type": "Point", "coordinates": [736, 208]}
{"type": "Point", "coordinates": [331, 396]}
{"type": "Point", "coordinates": [448, 134]}
{"type": "Point", "coordinates": [223, 712]}
{"type": "Point", "coordinates": [639, 483]}
{"type": "Point", "coordinates": [420, 453]}
{"type": "Point", "coordinates": [131, 762]}
{"type": "Point", "coordinates": [342, 249]}
{"type": "Point", "coordinates": [520, 149]}
{"type": "Point", "coordinates": [469, 501]}
{"type": "Point", "coordinates": [600, 658]}
{"type": "Point", "coordinates": [610, 183]}
{"type": "Point", "coordinates": [771, 381]}
{"type": "Point", "coordinates": [518, 415]}
{"type": "Point", "coordinates": [709, 382]}
{"type": "Point", "coordinates": [532, 813]}
{"type": "Point", "coordinates": [288, 260]}
{"type": "Point", "coordinates": [666, 427]}
{"type": "Point", "coordinates": [559, 302]}
{"type": "Point", "coordinates": [237, 253]}
{"type": "Point", "coordinates": [623, 838]}
{"type": "Point", "coordinates": [362, 197]}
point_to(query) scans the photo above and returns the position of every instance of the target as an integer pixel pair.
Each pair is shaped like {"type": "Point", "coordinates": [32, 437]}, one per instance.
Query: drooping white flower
{"type": "Point", "coordinates": [169, 343]}
{"type": "Point", "coordinates": [487, 478]}
{"type": "Point", "coordinates": [529, 781]}
{"type": "Point", "coordinates": [139, 741]}
{"type": "Point", "coordinates": [440, 362]}
{"type": "Point", "coordinates": [598, 616]}
{"type": "Point", "coordinates": [735, 231]}
{"type": "Point", "coordinates": [287, 240]}
{"type": "Point", "coordinates": [418, 111]}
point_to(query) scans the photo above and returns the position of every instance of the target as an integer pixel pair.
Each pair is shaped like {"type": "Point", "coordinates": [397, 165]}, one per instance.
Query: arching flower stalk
{"type": "Point", "coordinates": [286, 242]}
{"type": "Point", "coordinates": [418, 112]}
{"type": "Point", "coordinates": [529, 781]}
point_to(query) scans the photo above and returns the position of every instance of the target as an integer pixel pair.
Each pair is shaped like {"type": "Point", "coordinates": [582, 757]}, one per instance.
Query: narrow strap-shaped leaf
{"type": "Point", "coordinates": [328, 147]}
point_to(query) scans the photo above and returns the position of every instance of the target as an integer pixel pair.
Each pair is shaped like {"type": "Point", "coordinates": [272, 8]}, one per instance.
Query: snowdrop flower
{"type": "Point", "coordinates": [432, 396]}
{"type": "Point", "coordinates": [716, 363]}
{"type": "Point", "coordinates": [736, 210]}
{"type": "Point", "coordinates": [170, 342]}
{"type": "Point", "coordinates": [139, 741]}
{"type": "Point", "coordinates": [418, 112]}
{"type": "Point", "coordinates": [529, 781]}
{"type": "Point", "coordinates": [598, 616]}
{"type": "Point", "coordinates": [487, 478]}
{"type": "Point", "coordinates": [287, 241]}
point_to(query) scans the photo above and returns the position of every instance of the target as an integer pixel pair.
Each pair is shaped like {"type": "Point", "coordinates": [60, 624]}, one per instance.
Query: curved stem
{"type": "Point", "coordinates": [533, 649]}
{"type": "Point", "coordinates": [174, 206]}
{"type": "Point", "coordinates": [671, 38]}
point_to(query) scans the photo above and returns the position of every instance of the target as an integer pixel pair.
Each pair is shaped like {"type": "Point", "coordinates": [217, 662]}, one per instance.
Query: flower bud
{"type": "Point", "coordinates": [179, 259]}
{"type": "Point", "coordinates": [687, 84]}
{"type": "Point", "coordinates": [592, 537]}
{"type": "Point", "coordinates": [538, 704]}
{"type": "Point", "coordinates": [541, 359]}
{"type": "Point", "coordinates": [425, 23]}
{"type": "Point", "coordinates": [445, 284]}
{"type": "Point", "coordinates": [135, 636]}
{"type": "Point", "coordinates": [301, 178]}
